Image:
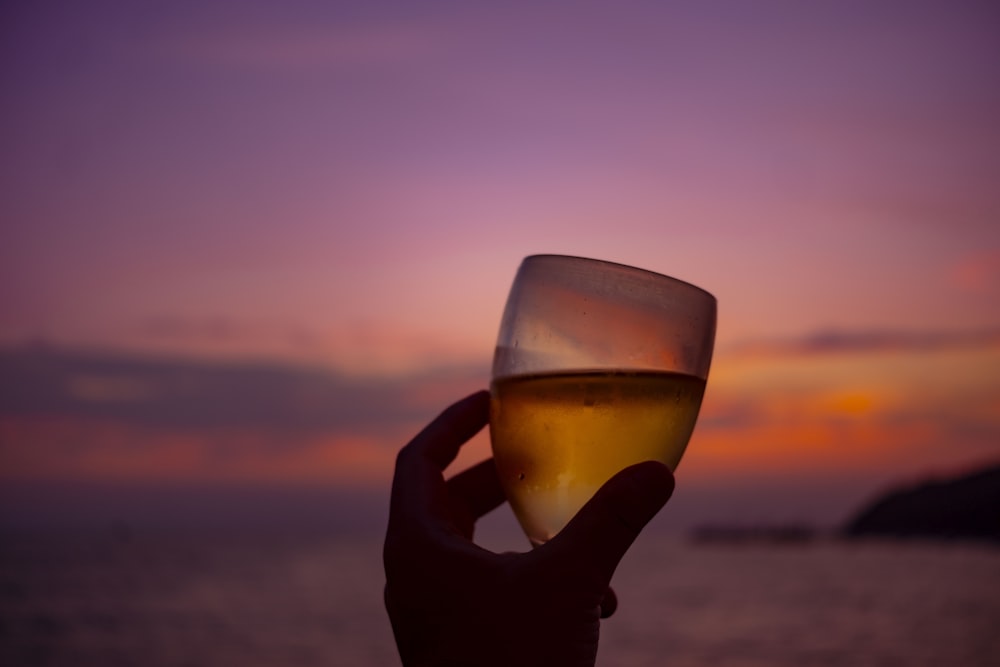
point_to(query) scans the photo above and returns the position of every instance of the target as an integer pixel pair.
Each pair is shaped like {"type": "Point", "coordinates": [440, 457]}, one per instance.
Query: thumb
{"type": "Point", "coordinates": [604, 529]}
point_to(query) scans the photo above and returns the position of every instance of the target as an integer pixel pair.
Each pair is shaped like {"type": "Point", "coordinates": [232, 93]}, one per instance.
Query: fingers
{"type": "Point", "coordinates": [606, 526]}
{"type": "Point", "coordinates": [418, 489]}
{"type": "Point", "coordinates": [440, 440]}
{"type": "Point", "coordinates": [477, 490]}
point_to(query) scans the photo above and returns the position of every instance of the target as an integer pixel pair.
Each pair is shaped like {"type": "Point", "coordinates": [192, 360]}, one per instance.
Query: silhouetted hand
{"type": "Point", "coordinates": [454, 603]}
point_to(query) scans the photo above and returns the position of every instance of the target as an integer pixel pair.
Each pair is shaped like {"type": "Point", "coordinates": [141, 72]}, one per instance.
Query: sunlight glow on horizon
{"type": "Point", "coordinates": [887, 414]}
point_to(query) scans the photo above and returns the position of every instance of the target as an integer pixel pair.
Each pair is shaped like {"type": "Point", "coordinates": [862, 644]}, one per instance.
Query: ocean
{"type": "Point", "coordinates": [118, 597]}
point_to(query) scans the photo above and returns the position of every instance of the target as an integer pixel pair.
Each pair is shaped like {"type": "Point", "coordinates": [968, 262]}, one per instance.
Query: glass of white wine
{"type": "Point", "coordinates": [598, 366]}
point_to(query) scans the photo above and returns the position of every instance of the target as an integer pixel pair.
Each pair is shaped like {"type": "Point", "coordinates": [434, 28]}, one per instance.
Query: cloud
{"type": "Point", "coordinates": [85, 414]}
{"type": "Point", "coordinates": [78, 415]}
{"type": "Point", "coordinates": [834, 342]}
{"type": "Point", "coordinates": [221, 329]}
{"type": "Point", "coordinates": [861, 404]}
{"type": "Point", "coordinates": [183, 394]}
{"type": "Point", "coordinates": [361, 347]}
{"type": "Point", "coordinates": [808, 433]}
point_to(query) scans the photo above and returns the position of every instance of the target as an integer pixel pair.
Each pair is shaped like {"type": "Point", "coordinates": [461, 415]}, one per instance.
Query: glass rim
{"type": "Point", "coordinates": [629, 267]}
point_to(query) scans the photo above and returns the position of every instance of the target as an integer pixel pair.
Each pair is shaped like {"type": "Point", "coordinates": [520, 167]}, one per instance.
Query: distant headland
{"type": "Point", "coordinates": [965, 507]}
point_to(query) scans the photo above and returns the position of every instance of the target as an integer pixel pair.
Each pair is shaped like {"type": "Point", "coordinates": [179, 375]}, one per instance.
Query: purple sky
{"type": "Point", "coordinates": [321, 168]}
{"type": "Point", "coordinates": [353, 185]}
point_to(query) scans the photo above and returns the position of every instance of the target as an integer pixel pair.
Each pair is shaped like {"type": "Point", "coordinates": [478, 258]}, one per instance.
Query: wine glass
{"type": "Point", "coordinates": [598, 366]}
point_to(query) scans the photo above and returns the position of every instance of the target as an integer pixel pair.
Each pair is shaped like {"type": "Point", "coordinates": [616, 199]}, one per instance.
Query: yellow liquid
{"type": "Point", "coordinates": [558, 437]}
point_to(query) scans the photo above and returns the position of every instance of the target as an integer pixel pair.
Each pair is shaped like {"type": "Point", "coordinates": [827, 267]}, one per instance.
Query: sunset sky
{"type": "Point", "coordinates": [264, 242]}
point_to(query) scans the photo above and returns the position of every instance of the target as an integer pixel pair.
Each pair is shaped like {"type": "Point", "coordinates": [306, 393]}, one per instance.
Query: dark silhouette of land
{"type": "Point", "coordinates": [783, 534]}
{"type": "Point", "coordinates": [966, 507]}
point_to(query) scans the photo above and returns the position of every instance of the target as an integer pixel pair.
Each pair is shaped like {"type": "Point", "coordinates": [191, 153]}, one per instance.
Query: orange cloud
{"type": "Point", "coordinates": [818, 440]}
{"type": "Point", "coordinates": [848, 413]}
{"type": "Point", "coordinates": [82, 448]}
{"type": "Point", "coordinates": [800, 417]}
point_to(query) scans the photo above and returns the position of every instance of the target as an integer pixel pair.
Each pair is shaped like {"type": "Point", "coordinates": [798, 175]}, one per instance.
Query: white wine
{"type": "Point", "coordinates": [558, 437]}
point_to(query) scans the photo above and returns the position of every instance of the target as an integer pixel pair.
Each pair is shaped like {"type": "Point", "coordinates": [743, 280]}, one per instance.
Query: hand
{"type": "Point", "coordinates": [452, 602]}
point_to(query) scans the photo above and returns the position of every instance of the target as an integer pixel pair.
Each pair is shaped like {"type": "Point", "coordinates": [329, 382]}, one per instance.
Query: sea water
{"type": "Point", "coordinates": [121, 598]}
